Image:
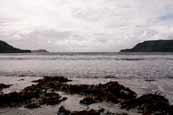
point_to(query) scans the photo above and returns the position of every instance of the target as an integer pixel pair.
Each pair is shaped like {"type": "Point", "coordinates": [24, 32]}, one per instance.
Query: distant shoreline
{"type": "Point", "coordinates": [152, 46]}
{"type": "Point", "coordinates": [91, 53]}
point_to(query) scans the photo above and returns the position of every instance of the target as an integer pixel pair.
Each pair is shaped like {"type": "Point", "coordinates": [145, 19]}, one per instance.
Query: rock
{"type": "Point", "coordinates": [48, 79]}
{"type": "Point", "coordinates": [63, 111]}
{"type": "Point", "coordinates": [150, 103]}
{"type": "Point", "coordinates": [112, 91]}
{"type": "Point", "coordinates": [52, 99]}
{"type": "Point", "coordinates": [12, 99]}
{"type": "Point", "coordinates": [121, 114]}
{"type": "Point", "coordinates": [110, 77]}
{"type": "Point", "coordinates": [171, 109]}
{"type": "Point", "coordinates": [33, 105]}
{"type": "Point", "coordinates": [152, 46]}
{"type": "Point", "coordinates": [21, 79]}
{"type": "Point", "coordinates": [88, 100]}
{"type": "Point", "coordinates": [109, 113]}
{"type": "Point", "coordinates": [117, 90]}
{"type": "Point", "coordinates": [3, 86]}
{"type": "Point", "coordinates": [85, 112]}
{"type": "Point", "coordinates": [33, 96]}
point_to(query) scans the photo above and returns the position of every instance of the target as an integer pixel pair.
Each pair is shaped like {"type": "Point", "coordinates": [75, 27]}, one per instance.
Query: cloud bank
{"type": "Point", "coordinates": [84, 25]}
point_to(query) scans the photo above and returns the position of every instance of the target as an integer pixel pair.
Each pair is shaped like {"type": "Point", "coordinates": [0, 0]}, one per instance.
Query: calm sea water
{"type": "Point", "coordinates": [143, 73]}
{"type": "Point", "coordinates": [89, 65]}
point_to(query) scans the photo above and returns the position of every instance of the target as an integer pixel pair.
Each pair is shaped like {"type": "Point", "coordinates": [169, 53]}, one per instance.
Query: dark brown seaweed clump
{"type": "Point", "coordinates": [44, 92]}
{"type": "Point", "coordinates": [63, 111]}
{"type": "Point", "coordinates": [89, 100]}
{"type": "Point", "coordinates": [33, 96]}
{"type": "Point", "coordinates": [112, 91]}
{"type": "Point", "coordinates": [3, 86]}
{"type": "Point", "coordinates": [150, 104]}
{"type": "Point", "coordinates": [47, 79]}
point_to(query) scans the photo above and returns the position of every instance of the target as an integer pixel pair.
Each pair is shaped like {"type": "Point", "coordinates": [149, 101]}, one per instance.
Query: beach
{"type": "Point", "coordinates": [140, 73]}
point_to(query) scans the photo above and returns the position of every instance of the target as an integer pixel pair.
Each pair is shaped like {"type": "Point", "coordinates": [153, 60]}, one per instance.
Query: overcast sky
{"type": "Point", "coordinates": [84, 25]}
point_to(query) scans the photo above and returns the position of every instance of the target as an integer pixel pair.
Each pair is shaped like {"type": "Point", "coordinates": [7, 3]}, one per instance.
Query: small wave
{"type": "Point", "coordinates": [76, 58]}
{"type": "Point", "coordinates": [133, 59]}
{"type": "Point", "coordinates": [169, 77]}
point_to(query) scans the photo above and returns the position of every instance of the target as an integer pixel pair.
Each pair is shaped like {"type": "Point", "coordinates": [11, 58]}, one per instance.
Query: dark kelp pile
{"type": "Point", "coordinates": [112, 91]}
{"type": "Point", "coordinates": [63, 111]}
{"type": "Point", "coordinates": [150, 103]}
{"type": "Point", "coordinates": [89, 100]}
{"type": "Point", "coordinates": [3, 86]}
{"type": "Point", "coordinates": [44, 92]}
{"type": "Point", "coordinates": [33, 96]}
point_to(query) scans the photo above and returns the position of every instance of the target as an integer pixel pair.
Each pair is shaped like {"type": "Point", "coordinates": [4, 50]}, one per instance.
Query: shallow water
{"type": "Point", "coordinates": [120, 66]}
{"type": "Point", "coordinates": [144, 73]}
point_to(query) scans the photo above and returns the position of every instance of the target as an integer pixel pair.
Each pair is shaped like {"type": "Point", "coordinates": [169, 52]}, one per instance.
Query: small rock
{"type": "Point", "coordinates": [88, 100]}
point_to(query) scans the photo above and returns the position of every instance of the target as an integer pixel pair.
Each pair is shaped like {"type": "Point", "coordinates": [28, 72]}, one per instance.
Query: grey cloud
{"type": "Point", "coordinates": [48, 34]}
{"type": "Point", "coordinates": [84, 25]}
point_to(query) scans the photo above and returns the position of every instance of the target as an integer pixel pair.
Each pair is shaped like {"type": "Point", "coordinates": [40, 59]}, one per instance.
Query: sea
{"type": "Point", "coordinates": [142, 72]}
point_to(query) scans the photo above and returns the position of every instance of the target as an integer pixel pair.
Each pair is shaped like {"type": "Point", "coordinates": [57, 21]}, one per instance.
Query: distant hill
{"type": "Point", "coordinates": [152, 46]}
{"type": "Point", "coordinates": [39, 51]}
{"type": "Point", "coordinates": [6, 48]}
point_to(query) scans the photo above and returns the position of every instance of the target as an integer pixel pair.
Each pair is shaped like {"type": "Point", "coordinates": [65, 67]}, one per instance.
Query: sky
{"type": "Point", "coordinates": [84, 25]}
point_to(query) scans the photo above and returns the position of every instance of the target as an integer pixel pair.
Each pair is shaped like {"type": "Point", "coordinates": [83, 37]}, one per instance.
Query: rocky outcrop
{"type": "Point", "coordinates": [6, 48]}
{"type": "Point", "coordinates": [152, 46]}
{"type": "Point", "coordinates": [150, 104]}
